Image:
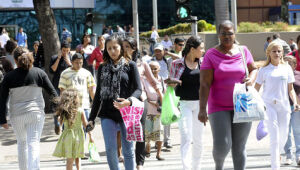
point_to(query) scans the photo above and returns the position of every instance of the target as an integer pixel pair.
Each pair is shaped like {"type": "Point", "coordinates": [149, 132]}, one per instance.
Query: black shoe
{"type": "Point", "coordinates": [168, 145]}
{"type": "Point", "coordinates": [121, 159]}
{"type": "Point", "coordinates": [57, 130]}
{"type": "Point", "coordinates": [160, 158]}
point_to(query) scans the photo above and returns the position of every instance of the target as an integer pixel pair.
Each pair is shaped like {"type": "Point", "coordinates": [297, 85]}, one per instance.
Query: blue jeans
{"type": "Point", "coordinates": [152, 48]}
{"type": "Point", "coordinates": [109, 130]}
{"type": "Point", "coordinates": [295, 125]}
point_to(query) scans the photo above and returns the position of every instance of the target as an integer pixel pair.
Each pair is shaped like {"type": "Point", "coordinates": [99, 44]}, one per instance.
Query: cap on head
{"type": "Point", "coordinates": [158, 46]}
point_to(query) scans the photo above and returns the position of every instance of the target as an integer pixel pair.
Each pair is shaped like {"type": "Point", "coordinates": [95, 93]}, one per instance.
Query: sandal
{"type": "Point", "coordinates": [160, 158]}
{"type": "Point", "coordinates": [121, 159]}
{"type": "Point", "coordinates": [147, 155]}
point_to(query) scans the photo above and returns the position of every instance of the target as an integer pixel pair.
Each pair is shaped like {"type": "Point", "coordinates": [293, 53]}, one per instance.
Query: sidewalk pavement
{"type": "Point", "coordinates": [258, 152]}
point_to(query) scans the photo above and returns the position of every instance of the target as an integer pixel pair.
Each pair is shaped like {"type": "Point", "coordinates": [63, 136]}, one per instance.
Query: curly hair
{"type": "Point", "coordinates": [68, 105]}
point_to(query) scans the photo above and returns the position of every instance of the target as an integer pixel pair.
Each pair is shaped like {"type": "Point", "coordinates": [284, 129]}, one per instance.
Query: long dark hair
{"type": "Point", "coordinates": [106, 56]}
{"type": "Point", "coordinates": [133, 44]}
{"type": "Point", "coordinates": [192, 42]}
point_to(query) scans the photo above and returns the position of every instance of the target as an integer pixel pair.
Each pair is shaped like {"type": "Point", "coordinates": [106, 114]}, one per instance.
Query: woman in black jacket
{"type": "Point", "coordinates": [118, 81]}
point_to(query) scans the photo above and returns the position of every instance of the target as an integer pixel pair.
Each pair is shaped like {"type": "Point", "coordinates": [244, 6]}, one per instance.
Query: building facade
{"type": "Point", "coordinates": [260, 10]}
{"type": "Point", "coordinates": [106, 12]}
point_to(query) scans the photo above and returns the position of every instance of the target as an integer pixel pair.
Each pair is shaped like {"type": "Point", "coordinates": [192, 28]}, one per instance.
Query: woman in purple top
{"type": "Point", "coordinates": [221, 68]}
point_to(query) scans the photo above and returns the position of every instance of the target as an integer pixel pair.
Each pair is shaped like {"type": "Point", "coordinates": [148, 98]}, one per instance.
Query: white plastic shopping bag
{"type": "Point", "coordinates": [248, 104]}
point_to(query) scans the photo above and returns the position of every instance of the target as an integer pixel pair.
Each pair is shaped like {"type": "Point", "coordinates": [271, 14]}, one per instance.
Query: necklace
{"type": "Point", "coordinates": [223, 49]}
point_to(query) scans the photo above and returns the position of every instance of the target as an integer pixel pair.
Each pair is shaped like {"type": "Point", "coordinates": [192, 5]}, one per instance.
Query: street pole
{"type": "Point", "coordinates": [194, 25]}
{"type": "Point", "coordinates": [135, 15]}
{"type": "Point", "coordinates": [154, 6]}
{"type": "Point", "coordinates": [233, 14]}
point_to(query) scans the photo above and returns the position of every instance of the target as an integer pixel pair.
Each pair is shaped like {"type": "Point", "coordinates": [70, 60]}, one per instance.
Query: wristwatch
{"type": "Point", "coordinates": [130, 100]}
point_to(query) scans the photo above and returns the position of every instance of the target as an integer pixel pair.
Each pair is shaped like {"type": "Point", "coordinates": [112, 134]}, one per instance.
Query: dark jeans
{"type": "Point", "coordinates": [140, 146]}
{"type": "Point", "coordinates": [226, 136]}
{"type": "Point", "coordinates": [53, 109]}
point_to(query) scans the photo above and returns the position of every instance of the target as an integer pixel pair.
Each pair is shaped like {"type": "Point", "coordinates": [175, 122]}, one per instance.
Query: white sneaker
{"type": "Point", "coordinates": [288, 161]}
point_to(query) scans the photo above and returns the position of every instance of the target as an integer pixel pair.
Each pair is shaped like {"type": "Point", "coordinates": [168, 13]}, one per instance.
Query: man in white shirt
{"type": "Point", "coordinates": [153, 40]}
{"type": "Point", "coordinates": [167, 43]}
{"type": "Point", "coordinates": [159, 56]}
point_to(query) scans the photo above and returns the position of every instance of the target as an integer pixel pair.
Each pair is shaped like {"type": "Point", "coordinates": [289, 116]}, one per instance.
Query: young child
{"type": "Point", "coordinates": [277, 79]}
{"type": "Point", "coordinates": [71, 142]}
{"type": "Point", "coordinates": [153, 127]}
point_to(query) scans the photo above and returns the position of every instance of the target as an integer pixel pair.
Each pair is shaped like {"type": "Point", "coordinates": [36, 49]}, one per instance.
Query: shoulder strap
{"type": "Point", "coordinates": [165, 60]}
{"type": "Point", "coordinates": [162, 84]}
{"type": "Point", "coordinates": [244, 60]}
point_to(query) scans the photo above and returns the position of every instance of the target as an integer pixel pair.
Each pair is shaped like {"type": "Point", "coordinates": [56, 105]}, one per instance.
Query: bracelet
{"type": "Point", "coordinates": [130, 100]}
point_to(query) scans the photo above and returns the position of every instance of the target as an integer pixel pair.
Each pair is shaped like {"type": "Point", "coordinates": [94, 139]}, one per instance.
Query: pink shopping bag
{"type": "Point", "coordinates": [131, 117]}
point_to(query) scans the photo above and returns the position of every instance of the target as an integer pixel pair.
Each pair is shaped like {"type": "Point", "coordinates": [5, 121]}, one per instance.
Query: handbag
{"type": "Point", "coordinates": [248, 104]}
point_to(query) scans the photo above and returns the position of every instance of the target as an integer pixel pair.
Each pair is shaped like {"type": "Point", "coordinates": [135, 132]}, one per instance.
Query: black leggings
{"type": "Point", "coordinates": [140, 146]}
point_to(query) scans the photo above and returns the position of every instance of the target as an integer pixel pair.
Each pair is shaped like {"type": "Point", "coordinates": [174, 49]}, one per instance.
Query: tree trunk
{"type": "Point", "coordinates": [48, 32]}
{"type": "Point", "coordinates": [284, 11]}
{"type": "Point", "coordinates": [221, 12]}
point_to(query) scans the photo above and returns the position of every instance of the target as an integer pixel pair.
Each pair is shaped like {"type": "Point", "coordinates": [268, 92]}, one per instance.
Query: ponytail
{"type": "Point", "coordinates": [23, 58]}
{"type": "Point", "coordinates": [192, 42]}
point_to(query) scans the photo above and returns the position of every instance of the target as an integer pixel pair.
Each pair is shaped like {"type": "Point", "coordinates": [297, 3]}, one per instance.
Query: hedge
{"type": "Point", "coordinates": [182, 28]}
{"type": "Point", "coordinates": [250, 27]}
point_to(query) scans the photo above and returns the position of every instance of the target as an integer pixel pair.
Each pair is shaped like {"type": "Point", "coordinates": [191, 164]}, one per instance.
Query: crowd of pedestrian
{"type": "Point", "coordinates": [100, 81]}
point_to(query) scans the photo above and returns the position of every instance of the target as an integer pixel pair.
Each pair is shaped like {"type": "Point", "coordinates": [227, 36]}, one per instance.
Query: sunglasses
{"type": "Point", "coordinates": [181, 45]}
{"type": "Point", "coordinates": [224, 34]}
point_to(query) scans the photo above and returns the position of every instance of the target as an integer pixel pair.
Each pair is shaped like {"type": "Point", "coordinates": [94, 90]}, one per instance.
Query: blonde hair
{"type": "Point", "coordinates": [68, 105]}
{"type": "Point", "coordinates": [268, 52]}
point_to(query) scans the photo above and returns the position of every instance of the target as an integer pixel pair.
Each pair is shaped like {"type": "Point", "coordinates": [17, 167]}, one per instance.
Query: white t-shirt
{"type": "Point", "coordinates": [154, 35]}
{"type": "Point", "coordinates": [164, 72]}
{"type": "Point", "coordinates": [3, 39]}
{"type": "Point", "coordinates": [167, 44]}
{"type": "Point", "coordinates": [275, 81]}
